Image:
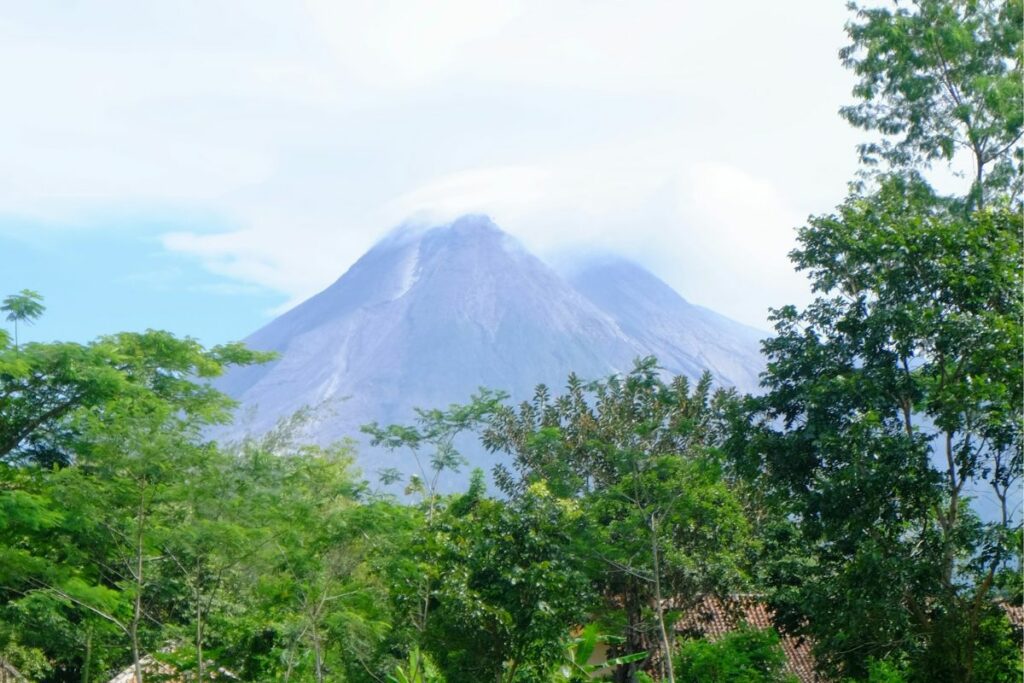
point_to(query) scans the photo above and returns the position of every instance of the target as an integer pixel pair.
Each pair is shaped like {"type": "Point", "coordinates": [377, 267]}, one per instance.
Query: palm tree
{"type": "Point", "coordinates": [25, 306]}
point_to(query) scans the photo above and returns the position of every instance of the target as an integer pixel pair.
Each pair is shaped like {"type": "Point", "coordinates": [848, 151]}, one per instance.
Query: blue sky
{"type": "Point", "coordinates": [118, 276]}
{"type": "Point", "coordinates": [201, 165]}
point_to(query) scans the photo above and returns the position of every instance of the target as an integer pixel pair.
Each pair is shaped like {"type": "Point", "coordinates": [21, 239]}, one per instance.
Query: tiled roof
{"type": "Point", "coordinates": [8, 674]}
{"type": "Point", "coordinates": [1015, 613]}
{"type": "Point", "coordinates": [150, 667]}
{"type": "Point", "coordinates": [713, 618]}
{"type": "Point", "coordinates": [165, 672]}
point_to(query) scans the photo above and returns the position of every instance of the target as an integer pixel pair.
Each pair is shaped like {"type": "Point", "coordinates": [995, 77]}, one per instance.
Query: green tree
{"type": "Point", "coordinates": [895, 395]}
{"type": "Point", "coordinates": [26, 306]}
{"type": "Point", "coordinates": [125, 412]}
{"type": "Point", "coordinates": [638, 454]}
{"type": "Point", "coordinates": [908, 357]}
{"type": "Point", "coordinates": [433, 445]}
{"type": "Point", "coordinates": [45, 387]}
{"type": "Point", "coordinates": [747, 655]}
{"type": "Point", "coordinates": [96, 554]}
{"type": "Point", "coordinates": [213, 538]}
{"type": "Point", "coordinates": [308, 607]}
{"type": "Point", "coordinates": [940, 77]}
{"type": "Point", "coordinates": [116, 500]}
{"type": "Point", "coordinates": [506, 591]}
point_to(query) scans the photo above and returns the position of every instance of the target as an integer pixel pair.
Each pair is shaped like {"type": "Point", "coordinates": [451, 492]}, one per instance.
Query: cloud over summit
{"type": "Point", "coordinates": [681, 133]}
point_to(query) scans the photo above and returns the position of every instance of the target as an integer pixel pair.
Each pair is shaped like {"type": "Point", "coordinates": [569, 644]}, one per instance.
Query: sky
{"type": "Point", "coordinates": [201, 166]}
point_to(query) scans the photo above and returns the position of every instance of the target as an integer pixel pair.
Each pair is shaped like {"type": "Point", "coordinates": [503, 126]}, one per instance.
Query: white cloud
{"type": "Point", "coordinates": [722, 235]}
{"type": "Point", "coordinates": [692, 136]}
{"type": "Point", "coordinates": [734, 218]}
{"type": "Point", "coordinates": [392, 43]}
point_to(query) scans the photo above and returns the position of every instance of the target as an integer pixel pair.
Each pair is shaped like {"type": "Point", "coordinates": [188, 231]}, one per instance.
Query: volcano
{"type": "Point", "coordinates": [429, 315]}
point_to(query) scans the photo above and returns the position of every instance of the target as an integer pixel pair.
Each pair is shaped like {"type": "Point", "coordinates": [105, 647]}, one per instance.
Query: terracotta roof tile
{"type": "Point", "coordinates": [165, 672]}
{"type": "Point", "coordinates": [713, 618]}
{"type": "Point", "coordinates": [8, 674]}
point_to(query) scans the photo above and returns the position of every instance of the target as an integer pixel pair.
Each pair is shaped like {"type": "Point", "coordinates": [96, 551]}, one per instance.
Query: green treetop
{"type": "Point", "coordinates": [940, 77]}
{"type": "Point", "coordinates": [26, 306]}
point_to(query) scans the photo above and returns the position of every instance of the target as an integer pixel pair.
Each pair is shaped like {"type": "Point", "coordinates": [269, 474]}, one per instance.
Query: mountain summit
{"type": "Point", "coordinates": [428, 315]}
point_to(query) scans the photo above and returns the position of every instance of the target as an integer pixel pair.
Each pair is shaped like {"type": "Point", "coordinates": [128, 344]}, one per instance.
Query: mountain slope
{"type": "Point", "coordinates": [424, 319]}
{"type": "Point", "coordinates": [429, 315]}
{"type": "Point", "coordinates": [686, 339]}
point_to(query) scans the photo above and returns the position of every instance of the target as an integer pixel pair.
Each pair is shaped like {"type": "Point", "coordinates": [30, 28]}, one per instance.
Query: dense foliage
{"type": "Point", "coordinates": [744, 656]}
{"type": "Point", "coordinates": [870, 494]}
{"type": "Point", "coordinates": [886, 450]}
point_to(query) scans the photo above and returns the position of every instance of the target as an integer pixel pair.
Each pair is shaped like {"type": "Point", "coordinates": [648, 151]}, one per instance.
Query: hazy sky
{"type": "Point", "coordinates": [199, 166]}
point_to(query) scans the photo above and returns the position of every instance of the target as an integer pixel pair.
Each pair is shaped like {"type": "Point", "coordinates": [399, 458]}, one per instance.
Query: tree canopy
{"type": "Point", "coordinates": [870, 494]}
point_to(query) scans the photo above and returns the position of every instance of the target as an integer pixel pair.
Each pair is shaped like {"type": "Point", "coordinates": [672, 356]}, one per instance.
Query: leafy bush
{"type": "Point", "coordinates": [419, 669]}
{"type": "Point", "coordinates": [886, 671]}
{"type": "Point", "coordinates": [747, 655]}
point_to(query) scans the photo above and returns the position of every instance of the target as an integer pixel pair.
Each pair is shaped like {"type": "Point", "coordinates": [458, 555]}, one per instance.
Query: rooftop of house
{"type": "Point", "coordinates": [713, 618]}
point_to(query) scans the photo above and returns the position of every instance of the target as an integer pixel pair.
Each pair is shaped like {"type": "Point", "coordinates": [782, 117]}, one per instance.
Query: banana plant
{"type": "Point", "coordinates": [577, 664]}
{"type": "Point", "coordinates": [419, 669]}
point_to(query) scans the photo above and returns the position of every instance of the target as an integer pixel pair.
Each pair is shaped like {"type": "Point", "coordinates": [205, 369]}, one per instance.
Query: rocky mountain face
{"type": "Point", "coordinates": [686, 339]}
{"type": "Point", "coordinates": [429, 315]}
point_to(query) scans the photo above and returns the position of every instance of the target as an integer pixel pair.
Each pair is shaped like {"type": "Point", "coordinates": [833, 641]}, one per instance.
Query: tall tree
{"type": "Point", "coordinates": [45, 387]}
{"type": "Point", "coordinates": [117, 497]}
{"type": "Point", "coordinates": [508, 588]}
{"type": "Point", "coordinates": [941, 77]}
{"type": "Point", "coordinates": [907, 359]}
{"type": "Point", "coordinates": [26, 306]}
{"type": "Point", "coordinates": [303, 601]}
{"type": "Point", "coordinates": [893, 398]}
{"type": "Point", "coordinates": [433, 444]}
{"type": "Point", "coordinates": [124, 412]}
{"type": "Point", "coordinates": [661, 528]}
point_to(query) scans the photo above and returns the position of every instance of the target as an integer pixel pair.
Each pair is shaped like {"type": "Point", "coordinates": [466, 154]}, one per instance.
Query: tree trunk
{"type": "Point", "coordinates": [952, 511]}
{"type": "Point", "coordinates": [200, 667]}
{"type": "Point", "coordinates": [291, 665]}
{"type": "Point", "coordinates": [139, 580]}
{"type": "Point", "coordinates": [626, 673]}
{"type": "Point", "coordinates": [425, 609]}
{"type": "Point", "coordinates": [136, 659]}
{"type": "Point", "coordinates": [318, 657]}
{"type": "Point", "coordinates": [979, 178]}
{"type": "Point", "coordinates": [658, 606]}
{"type": "Point", "coordinates": [88, 655]}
